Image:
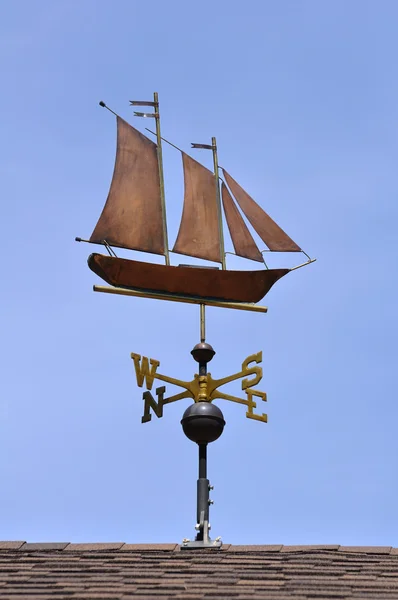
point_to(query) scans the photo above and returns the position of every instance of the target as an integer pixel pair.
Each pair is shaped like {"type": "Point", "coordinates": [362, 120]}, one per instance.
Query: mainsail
{"type": "Point", "coordinates": [241, 237]}
{"type": "Point", "coordinates": [132, 215]}
{"type": "Point", "coordinates": [199, 235]}
{"type": "Point", "coordinates": [271, 234]}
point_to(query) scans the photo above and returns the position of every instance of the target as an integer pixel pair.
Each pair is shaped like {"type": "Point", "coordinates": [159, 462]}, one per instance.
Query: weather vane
{"type": "Point", "coordinates": [134, 218]}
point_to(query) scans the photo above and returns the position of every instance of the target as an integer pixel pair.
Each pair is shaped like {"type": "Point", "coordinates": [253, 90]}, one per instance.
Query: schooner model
{"type": "Point", "coordinates": [134, 218]}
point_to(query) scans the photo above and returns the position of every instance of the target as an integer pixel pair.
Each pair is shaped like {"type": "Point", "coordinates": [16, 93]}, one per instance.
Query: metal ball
{"type": "Point", "coordinates": [203, 353]}
{"type": "Point", "coordinates": [203, 422]}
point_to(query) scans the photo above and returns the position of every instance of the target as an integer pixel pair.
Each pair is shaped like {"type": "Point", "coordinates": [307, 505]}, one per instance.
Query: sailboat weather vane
{"type": "Point", "coordinates": [134, 218]}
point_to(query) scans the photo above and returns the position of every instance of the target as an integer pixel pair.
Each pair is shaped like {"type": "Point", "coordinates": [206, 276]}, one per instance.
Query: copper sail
{"type": "Point", "coordinates": [241, 237]}
{"type": "Point", "coordinates": [132, 215]}
{"type": "Point", "coordinates": [271, 234]}
{"type": "Point", "coordinates": [199, 233]}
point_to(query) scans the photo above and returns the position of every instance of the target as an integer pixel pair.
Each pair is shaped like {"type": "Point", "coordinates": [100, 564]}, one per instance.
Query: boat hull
{"type": "Point", "coordinates": [230, 286]}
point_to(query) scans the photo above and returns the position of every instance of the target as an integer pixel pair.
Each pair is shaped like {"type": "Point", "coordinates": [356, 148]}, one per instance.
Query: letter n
{"type": "Point", "coordinates": [150, 402]}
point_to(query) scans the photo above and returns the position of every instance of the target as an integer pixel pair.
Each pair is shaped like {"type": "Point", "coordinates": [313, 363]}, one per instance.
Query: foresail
{"type": "Point", "coordinates": [132, 215]}
{"type": "Point", "coordinates": [241, 237]}
{"type": "Point", "coordinates": [199, 233]}
{"type": "Point", "coordinates": [271, 234]}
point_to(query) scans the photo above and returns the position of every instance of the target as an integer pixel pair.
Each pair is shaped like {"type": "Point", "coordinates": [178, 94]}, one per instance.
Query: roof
{"type": "Point", "coordinates": [144, 571]}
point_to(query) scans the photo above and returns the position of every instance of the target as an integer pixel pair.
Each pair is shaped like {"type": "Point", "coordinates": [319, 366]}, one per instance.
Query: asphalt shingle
{"type": "Point", "coordinates": [123, 571]}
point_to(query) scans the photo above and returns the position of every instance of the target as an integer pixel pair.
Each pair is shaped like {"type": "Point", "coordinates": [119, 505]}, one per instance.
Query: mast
{"type": "Point", "coordinates": [213, 147]}
{"type": "Point", "coordinates": [156, 116]}
{"type": "Point", "coordinates": [161, 177]}
{"type": "Point", "coordinates": [215, 162]}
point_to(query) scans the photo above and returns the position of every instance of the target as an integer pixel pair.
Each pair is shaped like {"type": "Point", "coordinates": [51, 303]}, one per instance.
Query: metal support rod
{"type": "Point", "coordinates": [161, 177]}
{"type": "Point", "coordinates": [217, 178]}
{"type": "Point", "coordinates": [202, 461]}
{"type": "Point", "coordinates": [203, 485]}
{"type": "Point", "coordinates": [202, 323]}
{"type": "Point", "coordinates": [202, 363]}
{"type": "Point", "coordinates": [203, 353]}
{"type": "Point", "coordinates": [202, 511]}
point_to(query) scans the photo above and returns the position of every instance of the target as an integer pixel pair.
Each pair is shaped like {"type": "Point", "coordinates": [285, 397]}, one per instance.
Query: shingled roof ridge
{"type": "Point", "coordinates": [174, 547]}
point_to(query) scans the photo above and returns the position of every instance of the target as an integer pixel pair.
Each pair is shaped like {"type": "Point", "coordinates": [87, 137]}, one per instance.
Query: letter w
{"type": "Point", "coordinates": [142, 370]}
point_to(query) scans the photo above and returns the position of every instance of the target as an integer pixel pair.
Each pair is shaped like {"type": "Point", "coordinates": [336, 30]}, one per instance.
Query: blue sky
{"type": "Point", "coordinates": [302, 97]}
